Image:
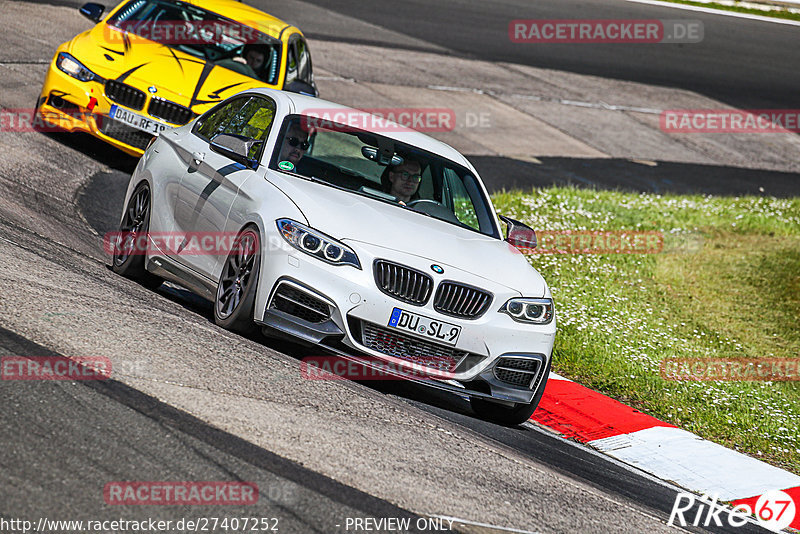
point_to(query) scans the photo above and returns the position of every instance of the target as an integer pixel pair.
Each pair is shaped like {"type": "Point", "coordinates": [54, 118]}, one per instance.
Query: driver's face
{"type": "Point", "coordinates": [296, 136]}
{"type": "Point", "coordinates": [405, 180]}
{"type": "Point", "coordinates": [255, 59]}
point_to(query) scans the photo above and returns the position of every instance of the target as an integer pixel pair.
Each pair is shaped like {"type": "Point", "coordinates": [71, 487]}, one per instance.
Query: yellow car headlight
{"type": "Point", "coordinates": [68, 64]}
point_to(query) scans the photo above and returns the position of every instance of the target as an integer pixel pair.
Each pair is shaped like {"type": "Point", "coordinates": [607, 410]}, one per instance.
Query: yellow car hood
{"type": "Point", "coordinates": [182, 78]}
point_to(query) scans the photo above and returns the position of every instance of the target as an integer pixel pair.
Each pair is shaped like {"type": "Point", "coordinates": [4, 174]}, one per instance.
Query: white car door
{"type": "Point", "coordinates": [212, 181]}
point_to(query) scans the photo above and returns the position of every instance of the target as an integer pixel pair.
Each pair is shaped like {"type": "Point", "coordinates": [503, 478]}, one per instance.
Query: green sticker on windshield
{"type": "Point", "coordinates": [286, 165]}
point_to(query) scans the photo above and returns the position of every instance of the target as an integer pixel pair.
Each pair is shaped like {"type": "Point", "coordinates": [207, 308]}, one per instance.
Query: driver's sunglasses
{"type": "Point", "coordinates": [294, 141]}
{"type": "Point", "coordinates": [409, 177]}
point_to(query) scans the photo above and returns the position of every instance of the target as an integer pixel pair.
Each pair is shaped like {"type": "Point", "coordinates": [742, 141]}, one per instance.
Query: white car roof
{"type": "Point", "coordinates": [305, 105]}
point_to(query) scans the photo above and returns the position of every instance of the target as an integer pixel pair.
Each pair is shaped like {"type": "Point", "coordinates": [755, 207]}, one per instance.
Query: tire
{"type": "Point", "coordinates": [135, 223]}
{"type": "Point", "coordinates": [236, 290]}
{"type": "Point", "coordinates": [508, 415]}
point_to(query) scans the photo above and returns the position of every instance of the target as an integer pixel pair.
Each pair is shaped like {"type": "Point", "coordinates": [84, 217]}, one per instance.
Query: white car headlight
{"type": "Point", "coordinates": [73, 67]}
{"type": "Point", "coordinates": [529, 310]}
{"type": "Point", "coordinates": [317, 244]}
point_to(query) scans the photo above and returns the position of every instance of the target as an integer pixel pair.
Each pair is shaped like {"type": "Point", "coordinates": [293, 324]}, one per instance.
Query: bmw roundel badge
{"type": "Point", "coordinates": [437, 269]}
{"type": "Point", "coordinates": [153, 89]}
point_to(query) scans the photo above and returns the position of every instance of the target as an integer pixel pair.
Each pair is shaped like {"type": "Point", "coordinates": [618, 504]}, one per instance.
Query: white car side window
{"type": "Point", "coordinates": [461, 202]}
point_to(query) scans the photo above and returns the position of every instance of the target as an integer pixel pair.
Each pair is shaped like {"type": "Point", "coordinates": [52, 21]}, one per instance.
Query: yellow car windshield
{"type": "Point", "coordinates": [203, 34]}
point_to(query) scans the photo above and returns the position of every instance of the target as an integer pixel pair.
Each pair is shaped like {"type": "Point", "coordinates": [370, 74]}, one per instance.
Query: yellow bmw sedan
{"type": "Point", "coordinates": [151, 65]}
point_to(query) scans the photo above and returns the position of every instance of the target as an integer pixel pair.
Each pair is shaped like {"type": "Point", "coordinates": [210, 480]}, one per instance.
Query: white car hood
{"type": "Point", "coordinates": [354, 218]}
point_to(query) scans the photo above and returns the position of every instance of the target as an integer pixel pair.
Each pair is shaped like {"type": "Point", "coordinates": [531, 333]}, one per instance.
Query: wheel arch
{"type": "Point", "coordinates": [256, 221]}
{"type": "Point", "coordinates": [137, 178]}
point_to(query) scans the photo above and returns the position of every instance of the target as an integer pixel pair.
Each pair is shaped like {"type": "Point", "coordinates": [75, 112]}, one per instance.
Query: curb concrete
{"type": "Point", "coordinates": [659, 448]}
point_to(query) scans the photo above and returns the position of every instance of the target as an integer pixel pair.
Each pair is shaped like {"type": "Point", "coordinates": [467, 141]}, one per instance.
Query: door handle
{"type": "Point", "coordinates": [198, 157]}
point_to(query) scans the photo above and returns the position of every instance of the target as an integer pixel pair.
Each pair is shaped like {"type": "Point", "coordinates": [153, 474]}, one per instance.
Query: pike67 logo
{"type": "Point", "coordinates": [774, 510]}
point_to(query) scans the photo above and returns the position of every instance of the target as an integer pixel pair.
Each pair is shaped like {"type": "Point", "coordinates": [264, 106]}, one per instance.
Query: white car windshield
{"type": "Point", "coordinates": [375, 166]}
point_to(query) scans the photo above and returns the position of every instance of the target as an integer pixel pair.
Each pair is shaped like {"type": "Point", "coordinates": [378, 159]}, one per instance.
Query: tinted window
{"type": "Point", "coordinates": [254, 121]}
{"type": "Point", "coordinates": [303, 62]}
{"type": "Point", "coordinates": [291, 63]}
{"type": "Point", "coordinates": [457, 197]}
{"type": "Point", "coordinates": [247, 116]}
{"type": "Point", "coordinates": [215, 120]}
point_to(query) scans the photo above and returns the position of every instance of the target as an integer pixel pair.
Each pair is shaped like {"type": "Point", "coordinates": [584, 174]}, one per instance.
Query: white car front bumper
{"type": "Point", "coordinates": [343, 309]}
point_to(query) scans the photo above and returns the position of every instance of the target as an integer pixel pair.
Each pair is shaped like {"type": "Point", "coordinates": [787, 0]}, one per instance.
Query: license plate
{"type": "Point", "coordinates": [137, 121]}
{"type": "Point", "coordinates": [420, 325]}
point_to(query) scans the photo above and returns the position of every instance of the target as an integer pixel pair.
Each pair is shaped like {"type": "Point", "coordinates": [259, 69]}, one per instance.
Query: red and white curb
{"type": "Point", "coordinates": [659, 448]}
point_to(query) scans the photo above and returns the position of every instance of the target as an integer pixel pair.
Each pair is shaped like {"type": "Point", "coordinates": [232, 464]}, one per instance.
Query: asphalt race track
{"type": "Point", "coordinates": [744, 63]}
{"type": "Point", "coordinates": [747, 64]}
{"type": "Point", "coordinates": [135, 436]}
{"type": "Point", "coordinates": [194, 402]}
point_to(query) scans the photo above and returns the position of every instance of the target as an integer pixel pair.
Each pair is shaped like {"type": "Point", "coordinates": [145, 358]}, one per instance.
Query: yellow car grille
{"type": "Point", "coordinates": [124, 94]}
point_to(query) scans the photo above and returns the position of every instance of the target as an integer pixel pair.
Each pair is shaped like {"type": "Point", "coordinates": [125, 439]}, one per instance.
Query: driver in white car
{"type": "Point", "coordinates": [295, 144]}
{"type": "Point", "coordinates": [404, 180]}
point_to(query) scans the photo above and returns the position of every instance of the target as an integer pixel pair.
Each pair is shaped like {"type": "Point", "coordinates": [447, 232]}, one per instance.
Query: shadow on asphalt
{"type": "Point", "coordinates": [415, 393]}
{"type": "Point", "coordinates": [96, 149]}
{"type": "Point", "coordinates": [437, 401]}
{"type": "Point", "coordinates": [52, 415]}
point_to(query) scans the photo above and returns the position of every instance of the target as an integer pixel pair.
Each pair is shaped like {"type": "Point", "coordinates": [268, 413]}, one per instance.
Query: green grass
{"type": "Point", "coordinates": [777, 12]}
{"type": "Point", "coordinates": [726, 285]}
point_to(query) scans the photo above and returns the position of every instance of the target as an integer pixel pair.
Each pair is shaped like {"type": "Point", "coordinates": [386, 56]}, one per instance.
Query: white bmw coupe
{"type": "Point", "coordinates": [378, 244]}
